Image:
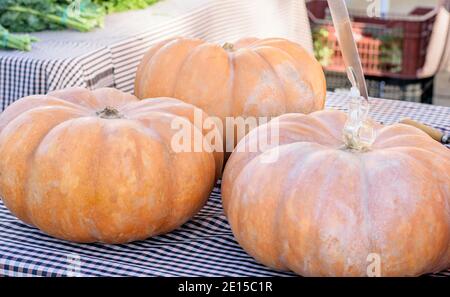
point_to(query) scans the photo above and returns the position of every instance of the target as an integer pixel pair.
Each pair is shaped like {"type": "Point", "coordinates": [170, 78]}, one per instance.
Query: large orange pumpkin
{"type": "Point", "coordinates": [321, 208]}
{"type": "Point", "coordinates": [253, 77]}
{"type": "Point", "coordinates": [91, 166]}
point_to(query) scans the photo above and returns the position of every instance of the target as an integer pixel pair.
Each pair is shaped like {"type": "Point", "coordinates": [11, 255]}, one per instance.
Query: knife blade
{"type": "Point", "coordinates": [342, 25]}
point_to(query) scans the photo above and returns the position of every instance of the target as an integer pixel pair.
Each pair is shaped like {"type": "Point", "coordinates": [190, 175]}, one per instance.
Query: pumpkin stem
{"type": "Point", "coordinates": [358, 131]}
{"type": "Point", "coordinates": [109, 113]}
{"type": "Point", "coordinates": [228, 46]}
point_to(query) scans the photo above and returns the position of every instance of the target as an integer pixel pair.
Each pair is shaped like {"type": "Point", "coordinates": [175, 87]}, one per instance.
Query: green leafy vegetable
{"type": "Point", "coordinates": [123, 5]}
{"type": "Point", "coordinates": [322, 51]}
{"type": "Point", "coordinates": [39, 15]}
{"type": "Point", "coordinates": [20, 42]}
{"type": "Point", "coordinates": [391, 56]}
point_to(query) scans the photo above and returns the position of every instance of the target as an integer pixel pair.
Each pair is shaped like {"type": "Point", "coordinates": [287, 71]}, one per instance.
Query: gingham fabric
{"type": "Point", "coordinates": [109, 57]}
{"type": "Point", "coordinates": [204, 246]}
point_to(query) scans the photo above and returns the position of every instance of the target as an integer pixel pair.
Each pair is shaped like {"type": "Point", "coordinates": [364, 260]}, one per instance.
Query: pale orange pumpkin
{"type": "Point", "coordinates": [323, 209]}
{"type": "Point", "coordinates": [253, 77]}
{"type": "Point", "coordinates": [91, 166]}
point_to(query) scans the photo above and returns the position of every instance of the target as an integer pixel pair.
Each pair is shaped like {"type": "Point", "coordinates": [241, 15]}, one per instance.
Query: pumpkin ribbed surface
{"type": "Point", "coordinates": [323, 210]}
{"type": "Point", "coordinates": [253, 77]}
{"type": "Point", "coordinates": [98, 165]}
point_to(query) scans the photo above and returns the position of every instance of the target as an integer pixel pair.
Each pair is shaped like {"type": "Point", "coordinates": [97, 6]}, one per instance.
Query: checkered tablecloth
{"type": "Point", "coordinates": [204, 246]}
{"type": "Point", "coordinates": [109, 57]}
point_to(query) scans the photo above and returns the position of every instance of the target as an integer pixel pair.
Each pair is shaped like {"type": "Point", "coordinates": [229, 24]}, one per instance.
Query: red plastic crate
{"type": "Point", "coordinates": [390, 46]}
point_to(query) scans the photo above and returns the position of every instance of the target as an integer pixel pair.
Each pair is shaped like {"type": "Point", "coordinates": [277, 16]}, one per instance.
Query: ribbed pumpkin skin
{"type": "Point", "coordinates": [320, 210]}
{"type": "Point", "coordinates": [266, 77]}
{"type": "Point", "coordinates": [84, 178]}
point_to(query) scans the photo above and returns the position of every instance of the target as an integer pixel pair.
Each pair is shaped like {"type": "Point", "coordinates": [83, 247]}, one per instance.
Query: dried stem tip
{"type": "Point", "coordinates": [109, 113]}
{"type": "Point", "coordinates": [228, 46]}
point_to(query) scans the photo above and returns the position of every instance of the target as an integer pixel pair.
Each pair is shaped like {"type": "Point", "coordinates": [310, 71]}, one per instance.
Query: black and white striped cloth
{"type": "Point", "coordinates": [109, 57]}
{"type": "Point", "coordinates": [204, 246]}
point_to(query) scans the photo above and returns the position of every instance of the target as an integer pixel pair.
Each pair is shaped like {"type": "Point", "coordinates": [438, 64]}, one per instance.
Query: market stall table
{"type": "Point", "coordinates": [204, 246]}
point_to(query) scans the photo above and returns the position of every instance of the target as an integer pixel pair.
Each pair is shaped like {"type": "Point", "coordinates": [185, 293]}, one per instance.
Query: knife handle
{"type": "Point", "coordinates": [433, 133]}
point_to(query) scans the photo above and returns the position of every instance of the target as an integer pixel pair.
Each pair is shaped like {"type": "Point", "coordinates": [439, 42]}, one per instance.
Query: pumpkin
{"type": "Point", "coordinates": [312, 204]}
{"type": "Point", "coordinates": [98, 166]}
{"type": "Point", "coordinates": [251, 78]}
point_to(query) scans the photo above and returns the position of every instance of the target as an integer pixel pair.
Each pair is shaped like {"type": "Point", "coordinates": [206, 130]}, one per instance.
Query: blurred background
{"type": "Point", "coordinates": [403, 45]}
{"type": "Point", "coordinates": [45, 45]}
